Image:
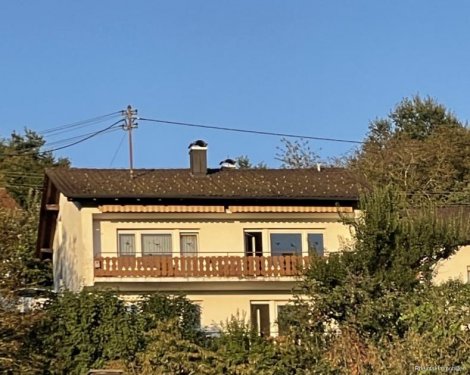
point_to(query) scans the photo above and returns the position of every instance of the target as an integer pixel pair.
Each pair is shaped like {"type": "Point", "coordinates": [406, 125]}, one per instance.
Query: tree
{"type": "Point", "coordinates": [244, 162]}
{"type": "Point", "coordinates": [19, 266]}
{"type": "Point", "coordinates": [296, 154]}
{"type": "Point", "coordinates": [159, 307]}
{"type": "Point", "coordinates": [422, 148]}
{"type": "Point", "coordinates": [22, 164]}
{"type": "Point", "coordinates": [395, 250]}
{"type": "Point", "coordinates": [87, 330]}
{"type": "Point", "coordinates": [15, 330]}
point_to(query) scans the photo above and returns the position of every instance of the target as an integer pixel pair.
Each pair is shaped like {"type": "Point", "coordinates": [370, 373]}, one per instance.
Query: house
{"type": "Point", "coordinates": [232, 240]}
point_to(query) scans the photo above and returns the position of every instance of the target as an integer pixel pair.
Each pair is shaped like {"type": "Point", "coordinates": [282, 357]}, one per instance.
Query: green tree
{"type": "Point", "coordinates": [422, 148]}
{"type": "Point", "coordinates": [244, 162]}
{"type": "Point", "coordinates": [22, 164]}
{"type": "Point", "coordinates": [159, 307]}
{"type": "Point", "coordinates": [362, 294]}
{"type": "Point", "coordinates": [16, 356]}
{"type": "Point", "coordinates": [87, 330]}
{"type": "Point", "coordinates": [19, 266]}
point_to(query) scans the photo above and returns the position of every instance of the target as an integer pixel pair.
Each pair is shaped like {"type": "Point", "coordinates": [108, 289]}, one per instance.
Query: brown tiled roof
{"type": "Point", "coordinates": [329, 183]}
{"type": "Point", "coordinates": [6, 201]}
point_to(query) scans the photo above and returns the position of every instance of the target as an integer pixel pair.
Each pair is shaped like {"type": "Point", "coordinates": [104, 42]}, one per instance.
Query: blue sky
{"type": "Point", "coordinates": [318, 68]}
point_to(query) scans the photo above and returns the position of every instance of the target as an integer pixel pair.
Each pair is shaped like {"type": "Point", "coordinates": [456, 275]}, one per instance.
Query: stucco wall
{"type": "Point", "coordinates": [73, 246]}
{"type": "Point", "coordinates": [455, 268]}
{"type": "Point", "coordinates": [217, 308]}
{"type": "Point", "coordinates": [221, 234]}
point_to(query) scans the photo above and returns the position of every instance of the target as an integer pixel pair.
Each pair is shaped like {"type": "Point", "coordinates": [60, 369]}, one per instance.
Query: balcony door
{"type": "Point", "coordinates": [253, 244]}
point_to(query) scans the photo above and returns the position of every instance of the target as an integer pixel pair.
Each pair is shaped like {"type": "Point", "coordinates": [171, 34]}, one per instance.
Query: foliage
{"type": "Point", "coordinates": [168, 352]}
{"type": "Point", "coordinates": [22, 164]}
{"type": "Point", "coordinates": [157, 308]}
{"type": "Point", "coordinates": [437, 334]}
{"type": "Point", "coordinates": [296, 154]}
{"type": "Point", "coordinates": [244, 162]}
{"type": "Point", "coordinates": [399, 245]}
{"type": "Point", "coordinates": [86, 330]}
{"type": "Point", "coordinates": [360, 309]}
{"type": "Point", "coordinates": [394, 252]}
{"type": "Point", "coordinates": [15, 328]}
{"type": "Point", "coordinates": [19, 266]}
{"type": "Point", "coordinates": [422, 148]}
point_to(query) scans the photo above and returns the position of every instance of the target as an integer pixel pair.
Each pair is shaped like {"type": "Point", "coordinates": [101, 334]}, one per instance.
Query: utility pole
{"type": "Point", "coordinates": [129, 118]}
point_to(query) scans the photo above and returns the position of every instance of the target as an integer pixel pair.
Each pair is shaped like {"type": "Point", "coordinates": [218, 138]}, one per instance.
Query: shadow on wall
{"type": "Point", "coordinates": [66, 264]}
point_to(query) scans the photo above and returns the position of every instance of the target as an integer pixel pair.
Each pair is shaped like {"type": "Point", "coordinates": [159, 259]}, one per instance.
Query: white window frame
{"type": "Point", "coordinates": [175, 239]}
{"type": "Point", "coordinates": [273, 316]}
{"type": "Point", "coordinates": [142, 235]}
{"type": "Point", "coordinates": [304, 232]}
{"type": "Point", "coordinates": [188, 233]}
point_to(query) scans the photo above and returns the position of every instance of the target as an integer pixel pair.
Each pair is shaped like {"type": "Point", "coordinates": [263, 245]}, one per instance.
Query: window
{"type": "Point", "coordinates": [126, 244]}
{"type": "Point", "coordinates": [156, 244]}
{"type": "Point", "coordinates": [260, 318]}
{"type": "Point", "coordinates": [253, 244]}
{"type": "Point", "coordinates": [315, 244]}
{"type": "Point", "coordinates": [284, 316]}
{"type": "Point", "coordinates": [188, 244]}
{"type": "Point", "coordinates": [286, 244]}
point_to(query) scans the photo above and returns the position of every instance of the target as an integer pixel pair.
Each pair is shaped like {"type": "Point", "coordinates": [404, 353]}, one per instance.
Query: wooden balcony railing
{"type": "Point", "coordinates": [201, 266]}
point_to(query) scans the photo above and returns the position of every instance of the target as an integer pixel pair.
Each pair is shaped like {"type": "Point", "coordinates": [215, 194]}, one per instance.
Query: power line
{"type": "Point", "coordinates": [65, 140]}
{"type": "Point", "coordinates": [80, 123]}
{"type": "Point", "coordinates": [86, 138]}
{"type": "Point", "coordinates": [259, 132]}
{"type": "Point", "coordinates": [111, 127]}
{"type": "Point", "coordinates": [117, 150]}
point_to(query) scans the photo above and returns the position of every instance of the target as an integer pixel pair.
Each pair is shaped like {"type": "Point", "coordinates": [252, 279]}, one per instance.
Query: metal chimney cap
{"type": "Point", "coordinates": [228, 164]}
{"type": "Point", "coordinates": [198, 143]}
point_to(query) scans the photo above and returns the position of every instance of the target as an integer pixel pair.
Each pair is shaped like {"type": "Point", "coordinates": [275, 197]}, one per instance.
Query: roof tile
{"type": "Point", "coordinates": [329, 183]}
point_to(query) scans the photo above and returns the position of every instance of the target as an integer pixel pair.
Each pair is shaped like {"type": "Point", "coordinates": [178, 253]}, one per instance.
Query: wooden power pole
{"type": "Point", "coordinates": [130, 117]}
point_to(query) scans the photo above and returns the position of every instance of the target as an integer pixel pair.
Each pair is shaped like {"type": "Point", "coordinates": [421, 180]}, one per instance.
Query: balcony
{"type": "Point", "coordinates": [200, 266]}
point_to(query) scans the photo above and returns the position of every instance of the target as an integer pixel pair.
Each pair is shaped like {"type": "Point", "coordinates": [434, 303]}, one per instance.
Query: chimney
{"type": "Point", "coordinates": [198, 158]}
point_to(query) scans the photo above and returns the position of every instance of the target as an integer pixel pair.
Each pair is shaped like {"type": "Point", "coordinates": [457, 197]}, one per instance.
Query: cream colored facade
{"type": "Point", "coordinates": [84, 233]}
{"type": "Point", "coordinates": [457, 267]}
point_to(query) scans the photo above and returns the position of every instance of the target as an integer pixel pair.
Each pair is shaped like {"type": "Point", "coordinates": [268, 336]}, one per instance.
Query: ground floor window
{"type": "Point", "coordinates": [260, 319]}
{"type": "Point", "coordinates": [270, 318]}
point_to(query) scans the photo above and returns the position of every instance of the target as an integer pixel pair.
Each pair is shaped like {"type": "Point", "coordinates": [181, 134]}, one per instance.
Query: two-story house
{"type": "Point", "coordinates": [232, 240]}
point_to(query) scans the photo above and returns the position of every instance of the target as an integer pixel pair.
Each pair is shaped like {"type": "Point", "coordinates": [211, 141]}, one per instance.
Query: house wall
{"type": "Point", "coordinates": [83, 233]}
{"type": "Point", "coordinates": [216, 309]}
{"type": "Point", "coordinates": [73, 246]}
{"type": "Point", "coordinates": [457, 267]}
{"type": "Point", "coordinates": [219, 307]}
{"type": "Point", "coordinates": [218, 234]}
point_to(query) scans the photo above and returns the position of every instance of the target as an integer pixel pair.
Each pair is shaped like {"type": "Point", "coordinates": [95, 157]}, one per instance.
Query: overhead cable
{"type": "Point", "coordinates": [259, 132]}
